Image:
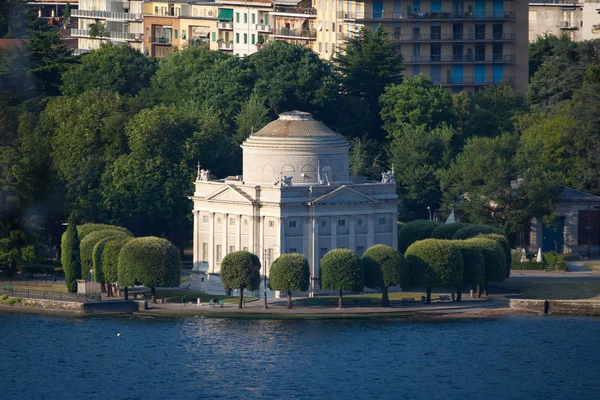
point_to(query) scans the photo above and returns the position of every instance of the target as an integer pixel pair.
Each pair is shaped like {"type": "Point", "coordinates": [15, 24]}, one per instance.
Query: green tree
{"type": "Point", "coordinates": [121, 69]}
{"type": "Point", "coordinates": [416, 101]}
{"type": "Point", "coordinates": [49, 58]}
{"type": "Point", "coordinates": [473, 265]}
{"type": "Point", "coordinates": [289, 272]}
{"type": "Point", "coordinates": [240, 270]}
{"type": "Point", "coordinates": [86, 248]}
{"type": "Point", "coordinates": [383, 268]}
{"type": "Point", "coordinates": [109, 261]}
{"type": "Point", "coordinates": [434, 263]}
{"type": "Point", "coordinates": [84, 230]}
{"type": "Point", "coordinates": [149, 261]}
{"type": "Point", "coordinates": [414, 231]}
{"type": "Point", "coordinates": [446, 231]}
{"type": "Point", "coordinates": [468, 231]}
{"type": "Point", "coordinates": [365, 158]}
{"type": "Point", "coordinates": [252, 117]}
{"type": "Point", "coordinates": [98, 30]}
{"type": "Point", "coordinates": [342, 270]}
{"type": "Point", "coordinates": [545, 47]}
{"type": "Point", "coordinates": [495, 261]}
{"type": "Point", "coordinates": [70, 258]}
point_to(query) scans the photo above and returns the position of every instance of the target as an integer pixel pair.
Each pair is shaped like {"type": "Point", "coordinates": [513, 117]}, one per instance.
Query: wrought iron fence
{"type": "Point", "coordinates": [49, 295]}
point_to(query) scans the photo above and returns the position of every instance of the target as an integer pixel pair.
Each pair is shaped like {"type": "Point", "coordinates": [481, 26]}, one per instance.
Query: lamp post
{"type": "Point", "coordinates": [266, 259]}
{"type": "Point", "coordinates": [429, 209]}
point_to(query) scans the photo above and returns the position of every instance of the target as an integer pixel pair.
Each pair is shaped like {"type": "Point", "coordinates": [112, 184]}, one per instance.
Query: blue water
{"type": "Point", "coordinates": [193, 358]}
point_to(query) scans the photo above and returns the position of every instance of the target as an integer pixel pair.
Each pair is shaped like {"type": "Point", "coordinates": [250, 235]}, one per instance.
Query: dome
{"type": "Point", "coordinates": [296, 146]}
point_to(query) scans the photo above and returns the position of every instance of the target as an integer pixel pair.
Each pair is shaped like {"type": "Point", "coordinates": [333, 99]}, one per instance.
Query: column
{"type": "Point", "coordinates": [281, 239]}
{"type": "Point", "coordinates": [352, 233]}
{"type": "Point", "coordinates": [306, 239]}
{"type": "Point", "coordinates": [261, 240]}
{"type": "Point", "coordinates": [225, 250]}
{"type": "Point", "coordinates": [211, 242]}
{"type": "Point", "coordinates": [252, 244]}
{"type": "Point", "coordinates": [370, 231]}
{"type": "Point", "coordinates": [395, 230]}
{"type": "Point", "coordinates": [315, 283]}
{"type": "Point", "coordinates": [334, 225]}
{"type": "Point", "coordinates": [197, 255]}
{"type": "Point", "coordinates": [238, 233]}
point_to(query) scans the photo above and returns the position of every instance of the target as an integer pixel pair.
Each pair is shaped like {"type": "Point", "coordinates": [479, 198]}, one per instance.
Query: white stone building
{"type": "Point", "coordinates": [295, 195]}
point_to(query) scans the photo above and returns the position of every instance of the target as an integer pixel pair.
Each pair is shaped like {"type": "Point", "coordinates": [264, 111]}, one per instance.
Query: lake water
{"type": "Point", "coordinates": [193, 358]}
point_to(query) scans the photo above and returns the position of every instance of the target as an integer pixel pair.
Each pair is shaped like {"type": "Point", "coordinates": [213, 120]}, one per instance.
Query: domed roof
{"type": "Point", "coordinates": [295, 124]}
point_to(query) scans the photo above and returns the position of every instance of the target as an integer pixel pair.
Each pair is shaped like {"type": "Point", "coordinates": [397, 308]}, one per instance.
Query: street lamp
{"type": "Point", "coordinates": [429, 209]}
{"type": "Point", "coordinates": [265, 261]}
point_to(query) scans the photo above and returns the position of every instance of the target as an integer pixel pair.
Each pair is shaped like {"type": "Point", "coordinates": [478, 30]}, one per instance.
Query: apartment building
{"type": "Point", "coordinates": [104, 21]}
{"type": "Point", "coordinates": [294, 21]}
{"type": "Point", "coordinates": [580, 20]}
{"type": "Point", "coordinates": [52, 9]}
{"type": "Point", "coordinates": [464, 45]}
{"type": "Point", "coordinates": [242, 26]}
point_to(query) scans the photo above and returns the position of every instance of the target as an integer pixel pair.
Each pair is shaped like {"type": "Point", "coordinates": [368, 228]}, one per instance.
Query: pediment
{"type": "Point", "coordinates": [344, 195]}
{"type": "Point", "coordinates": [228, 194]}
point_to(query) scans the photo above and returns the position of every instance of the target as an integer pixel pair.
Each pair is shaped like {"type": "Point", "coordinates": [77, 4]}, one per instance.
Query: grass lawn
{"type": "Point", "coordinates": [59, 287]}
{"type": "Point", "coordinates": [554, 289]}
{"type": "Point", "coordinates": [175, 295]}
{"type": "Point", "coordinates": [375, 298]}
{"type": "Point", "coordinates": [593, 265]}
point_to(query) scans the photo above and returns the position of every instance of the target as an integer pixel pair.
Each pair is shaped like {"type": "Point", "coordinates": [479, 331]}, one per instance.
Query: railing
{"type": "Point", "coordinates": [198, 42]}
{"type": "Point", "coordinates": [474, 80]}
{"type": "Point", "coordinates": [225, 25]}
{"type": "Point", "coordinates": [423, 15]}
{"type": "Point", "coordinates": [108, 35]}
{"type": "Point", "coordinates": [79, 52]}
{"type": "Point", "coordinates": [462, 58]}
{"type": "Point", "coordinates": [296, 10]}
{"type": "Point", "coordinates": [161, 40]}
{"type": "Point", "coordinates": [451, 37]}
{"type": "Point", "coordinates": [295, 33]}
{"type": "Point", "coordinates": [263, 28]}
{"type": "Point", "coordinates": [107, 15]}
{"type": "Point", "coordinates": [225, 46]}
{"type": "Point", "coordinates": [49, 295]}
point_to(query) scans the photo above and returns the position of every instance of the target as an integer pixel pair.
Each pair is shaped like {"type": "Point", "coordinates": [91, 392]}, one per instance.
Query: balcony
{"type": "Point", "coordinates": [475, 80]}
{"type": "Point", "coordinates": [295, 34]}
{"type": "Point", "coordinates": [165, 40]}
{"type": "Point", "coordinates": [225, 46]}
{"type": "Point", "coordinates": [456, 37]}
{"type": "Point", "coordinates": [567, 26]}
{"type": "Point", "coordinates": [424, 16]}
{"type": "Point", "coordinates": [117, 36]}
{"type": "Point", "coordinates": [461, 59]}
{"type": "Point", "coordinates": [295, 12]}
{"type": "Point", "coordinates": [114, 16]}
{"type": "Point", "coordinates": [263, 28]}
{"type": "Point", "coordinates": [225, 25]}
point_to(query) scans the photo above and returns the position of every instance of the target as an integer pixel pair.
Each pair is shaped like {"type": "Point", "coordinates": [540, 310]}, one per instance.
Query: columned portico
{"type": "Point", "coordinates": [334, 224]}
{"type": "Point", "coordinates": [211, 242]}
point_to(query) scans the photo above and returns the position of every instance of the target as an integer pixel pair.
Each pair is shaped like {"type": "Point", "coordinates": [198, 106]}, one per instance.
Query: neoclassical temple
{"type": "Point", "coordinates": [295, 196]}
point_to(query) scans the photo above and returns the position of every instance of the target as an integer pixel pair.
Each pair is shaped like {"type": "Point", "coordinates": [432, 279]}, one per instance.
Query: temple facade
{"type": "Point", "coordinates": [295, 196]}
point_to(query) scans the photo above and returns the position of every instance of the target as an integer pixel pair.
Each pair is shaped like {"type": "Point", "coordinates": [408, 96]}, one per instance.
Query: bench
{"type": "Point", "coordinates": [8, 287]}
{"type": "Point", "coordinates": [444, 298]}
{"type": "Point", "coordinates": [408, 300]}
{"type": "Point", "coordinates": [217, 303]}
{"type": "Point", "coordinates": [363, 303]}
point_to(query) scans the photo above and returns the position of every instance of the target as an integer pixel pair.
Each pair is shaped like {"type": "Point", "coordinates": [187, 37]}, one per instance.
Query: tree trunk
{"type": "Point", "coordinates": [385, 299]}
{"type": "Point", "coordinates": [126, 293]}
{"type": "Point", "coordinates": [471, 291]}
{"type": "Point", "coordinates": [478, 291]}
{"type": "Point", "coordinates": [428, 301]}
{"type": "Point", "coordinates": [241, 303]}
{"type": "Point", "coordinates": [458, 294]}
{"type": "Point", "coordinates": [103, 288]}
{"type": "Point", "coordinates": [153, 291]}
{"type": "Point", "coordinates": [289, 306]}
{"type": "Point", "coordinates": [340, 300]}
{"type": "Point", "coordinates": [485, 290]}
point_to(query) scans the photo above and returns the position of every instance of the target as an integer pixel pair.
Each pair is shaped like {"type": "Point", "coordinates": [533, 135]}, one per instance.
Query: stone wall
{"type": "Point", "coordinates": [117, 306]}
{"type": "Point", "coordinates": [557, 307]}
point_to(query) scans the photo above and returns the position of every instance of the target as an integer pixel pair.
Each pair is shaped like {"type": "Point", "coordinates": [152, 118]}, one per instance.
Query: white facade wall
{"type": "Point", "coordinates": [591, 20]}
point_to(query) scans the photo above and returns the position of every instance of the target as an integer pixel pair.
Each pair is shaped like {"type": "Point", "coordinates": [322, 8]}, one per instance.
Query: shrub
{"type": "Point", "coordinates": [495, 260]}
{"type": "Point", "coordinates": [434, 263]}
{"type": "Point", "coordinates": [528, 265]}
{"type": "Point", "coordinates": [12, 301]}
{"type": "Point", "coordinates": [70, 256]}
{"type": "Point", "coordinates": [110, 257]}
{"type": "Point", "coordinates": [502, 241]}
{"type": "Point", "coordinates": [446, 231]}
{"type": "Point", "coordinates": [86, 248]}
{"type": "Point", "coordinates": [554, 260]}
{"type": "Point", "coordinates": [342, 270]}
{"type": "Point", "coordinates": [288, 273]}
{"type": "Point", "coordinates": [4, 297]}
{"type": "Point", "coordinates": [86, 229]}
{"type": "Point", "coordinates": [36, 269]}
{"type": "Point", "coordinates": [414, 231]}
{"type": "Point", "coordinates": [473, 263]}
{"type": "Point", "coordinates": [472, 230]}
{"type": "Point", "coordinates": [383, 267]}
{"type": "Point", "coordinates": [240, 270]}
{"type": "Point", "coordinates": [150, 261]}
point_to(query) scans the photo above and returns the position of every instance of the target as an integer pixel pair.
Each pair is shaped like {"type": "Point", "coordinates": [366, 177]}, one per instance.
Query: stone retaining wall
{"type": "Point", "coordinates": [558, 307]}
{"type": "Point", "coordinates": [117, 306]}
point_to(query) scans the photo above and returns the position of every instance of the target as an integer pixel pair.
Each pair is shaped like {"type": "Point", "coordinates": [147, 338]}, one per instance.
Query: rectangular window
{"type": "Point", "coordinates": [416, 51]}
{"type": "Point", "coordinates": [245, 248]}
{"type": "Point", "coordinates": [183, 33]}
{"type": "Point", "coordinates": [326, 47]}
{"type": "Point", "coordinates": [219, 253]}
{"type": "Point", "coordinates": [323, 252]}
{"type": "Point", "coordinates": [480, 74]}
{"type": "Point", "coordinates": [360, 250]}
{"type": "Point", "coordinates": [436, 32]}
{"type": "Point", "coordinates": [498, 52]}
{"type": "Point", "coordinates": [497, 73]}
{"type": "Point", "coordinates": [457, 52]}
{"type": "Point", "coordinates": [245, 38]}
{"type": "Point", "coordinates": [237, 37]}
{"type": "Point", "coordinates": [155, 9]}
{"type": "Point", "coordinates": [320, 47]}
{"type": "Point", "coordinates": [176, 34]}
{"type": "Point", "coordinates": [382, 221]}
{"type": "Point", "coordinates": [497, 31]}
{"type": "Point", "coordinates": [292, 224]}
{"type": "Point", "coordinates": [436, 52]}
{"type": "Point", "coordinates": [479, 31]}
{"type": "Point", "coordinates": [341, 223]}
{"type": "Point", "coordinates": [231, 249]}
{"type": "Point", "coordinates": [147, 32]}
{"type": "Point", "coordinates": [293, 250]}
{"type": "Point", "coordinates": [436, 6]}
{"type": "Point", "coordinates": [480, 52]}
{"type": "Point", "coordinates": [214, 36]}
{"type": "Point", "coordinates": [204, 251]}
{"type": "Point", "coordinates": [253, 18]}
{"type": "Point", "coordinates": [245, 18]}
{"type": "Point", "coordinates": [205, 218]}
{"type": "Point", "coordinates": [253, 38]}
{"type": "Point", "coordinates": [237, 17]}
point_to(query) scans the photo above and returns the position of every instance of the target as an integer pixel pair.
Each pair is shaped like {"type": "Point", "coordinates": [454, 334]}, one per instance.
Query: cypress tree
{"type": "Point", "coordinates": [70, 259]}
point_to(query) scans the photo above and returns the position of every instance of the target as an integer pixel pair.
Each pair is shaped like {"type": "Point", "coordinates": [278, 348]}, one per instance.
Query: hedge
{"type": "Point", "coordinates": [434, 263]}
{"type": "Point", "coordinates": [554, 260]}
{"type": "Point", "coordinates": [495, 260]}
{"type": "Point", "coordinates": [86, 248]}
{"type": "Point", "coordinates": [472, 230]}
{"type": "Point", "coordinates": [288, 273]}
{"type": "Point", "coordinates": [36, 269]}
{"type": "Point", "coordinates": [473, 262]}
{"type": "Point", "coordinates": [528, 265]}
{"type": "Point", "coordinates": [502, 241]}
{"type": "Point", "coordinates": [110, 257]}
{"type": "Point", "coordinates": [70, 256]}
{"type": "Point", "coordinates": [86, 229]}
{"type": "Point", "coordinates": [342, 270]}
{"type": "Point", "coordinates": [447, 231]}
{"type": "Point", "coordinates": [414, 231]}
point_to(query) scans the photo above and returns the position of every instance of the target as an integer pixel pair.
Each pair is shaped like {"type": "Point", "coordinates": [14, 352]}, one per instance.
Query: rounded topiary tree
{"type": "Point", "coordinates": [472, 230]}
{"type": "Point", "coordinates": [86, 248]}
{"type": "Point", "coordinates": [342, 270]}
{"type": "Point", "coordinates": [434, 263]}
{"type": "Point", "coordinates": [414, 231]}
{"type": "Point", "coordinates": [383, 266]}
{"type": "Point", "coordinates": [70, 256]}
{"type": "Point", "coordinates": [495, 262]}
{"type": "Point", "coordinates": [502, 241]}
{"type": "Point", "coordinates": [446, 231]}
{"type": "Point", "coordinates": [473, 265]}
{"type": "Point", "coordinates": [288, 273]}
{"type": "Point", "coordinates": [240, 270]}
{"type": "Point", "coordinates": [86, 229]}
{"type": "Point", "coordinates": [110, 257]}
{"type": "Point", "coordinates": [150, 261]}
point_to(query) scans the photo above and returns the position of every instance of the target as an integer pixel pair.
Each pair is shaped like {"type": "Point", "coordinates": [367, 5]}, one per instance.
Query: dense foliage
{"type": "Point", "coordinates": [240, 270]}
{"type": "Point", "coordinates": [70, 258]}
{"type": "Point", "coordinates": [86, 248]}
{"type": "Point", "coordinates": [110, 257]}
{"type": "Point", "coordinates": [86, 229]}
{"type": "Point", "coordinates": [414, 231]}
{"type": "Point", "coordinates": [473, 262]}
{"type": "Point", "coordinates": [290, 272]}
{"type": "Point", "coordinates": [383, 267]}
{"type": "Point", "coordinates": [446, 231]}
{"type": "Point", "coordinates": [434, 263]}
{"type": "Point", "coordinates": [495, 260]}
{"type": "Point", "coordinates": [342, 270]}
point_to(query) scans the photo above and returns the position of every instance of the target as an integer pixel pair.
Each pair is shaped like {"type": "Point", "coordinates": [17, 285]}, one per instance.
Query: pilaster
{"type": "Point", "coordinates": [225, 250]}
{"type": "Point", "coordinates": [370, 231]}
{"type": "Point", "coordinates": [211, 242]}
{"type": "Point", "coordinates": [238, 233]}
{"type": "Point", "coordinates": [395, 230]}
{"type": "Point", "coordinates": [352, 233]}
{"type": "Point", "coordinates": [334, 226]}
